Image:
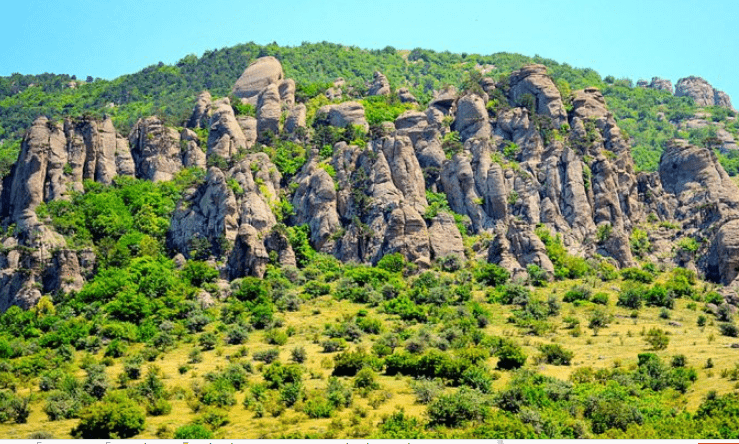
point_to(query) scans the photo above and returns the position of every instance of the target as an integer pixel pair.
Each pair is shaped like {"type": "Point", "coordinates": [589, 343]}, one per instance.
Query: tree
{"type": "Point", "coordinates": [118, 419]}
{"type": "Point", "coordinates": [599, 319]}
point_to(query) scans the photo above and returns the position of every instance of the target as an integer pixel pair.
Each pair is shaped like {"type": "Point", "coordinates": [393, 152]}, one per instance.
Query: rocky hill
{"type": "Point", "coordinates": [502, 171]}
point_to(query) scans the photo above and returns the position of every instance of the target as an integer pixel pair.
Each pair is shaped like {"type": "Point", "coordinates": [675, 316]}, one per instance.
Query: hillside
{"type": "Point", "coordinates": [430, 246]}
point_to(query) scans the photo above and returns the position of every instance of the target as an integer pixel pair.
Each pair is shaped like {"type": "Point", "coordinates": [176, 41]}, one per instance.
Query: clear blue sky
{"type": "Point", "coordinates": [635, 39]}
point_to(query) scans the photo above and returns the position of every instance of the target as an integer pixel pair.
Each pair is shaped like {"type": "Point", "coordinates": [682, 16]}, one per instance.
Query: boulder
{"type": "Point", "coordinates": [444, 237]}
{"type": "Point", "coordinates": [343, 114]}
{"type": "Point", "coordinates": [405, 96]}
{"type": "Point", "coordinates": [701, 92]}
{"type": "Point", "coordinates": [249, 257]}
{"type": "Point", "coordinates": [380, 85]}
{"type": "Point", "coordinates": [261, 73]}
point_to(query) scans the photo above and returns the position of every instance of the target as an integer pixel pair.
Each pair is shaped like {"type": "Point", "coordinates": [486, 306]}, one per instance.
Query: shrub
{"type": "Point", "coordinates": [266, 356]}
{"type": "Point", "coordinates": [729, 329]}
{"type": "Point", "coordinates": [193, 431]}
{"type": "Point", "coordinates": [218, 393]}
{"type": "Point", "coordinates": [491, 275]}
{"type": "Point", "coordinates": [631, 297]}
{"type": "Point", "coordinates": [600, 298]}
{"type": "Point", "coordinates": [555, 354]}
{"type": "Point", "coordinates": [117, 419]}
{"type": "Point", "coordinates": [298, 354]}
{"type": "Point", "coordinates": [426, 390]}
{"type": "Point", "coordinates": [338, 394]}
{"type": "Point", "coordinates": [318, 407]}
{"type": "Point", "coordinates": [638, 275]}
{"type": "Point", "coordinates": [366, 379]}
{"type": "Point", "coordinates": [393, 263]}
{"type": "Point", "coordinates": [510, 356]}
{"type": "Point", "coordinates": [657, 339]}
{"type": "Point", "coordinates": [577, 293]}
{"type": "Point", "coordinates": [457, 409]}
{"type": "Point", "coordinates": [599, 319]}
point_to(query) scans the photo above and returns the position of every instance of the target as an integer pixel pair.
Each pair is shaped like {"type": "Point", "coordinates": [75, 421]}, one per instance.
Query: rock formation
{"type": "Point", "coordinates": [702, 92]}
{"type": "Point", "coordinates": [528, 167]}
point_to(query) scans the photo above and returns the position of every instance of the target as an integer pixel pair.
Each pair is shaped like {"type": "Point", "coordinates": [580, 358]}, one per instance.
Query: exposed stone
{"type": "Point", "coordinates": [248, 257]}
{"type": "Point", "coordinates": [444, 237]}
{"type": "Point", "coordinates": [405, 96]}
{"type": "Point", "coordinates": [261, 73]}
{"type": "Point", "coordinates": [269, 111]}
{"type": "Point", "coordinates": [533, 79]}
{"type": "Point", "coordinates": [343, 114]}
{"type": "Point", "coordinates": [472, 117]}
{"type": "Point", "coordinates": [296, 119]}
{"type": "Point", "coordinates": [199, 117]}
{"type": "Point", "coordinates": [287, 93]}
{"type": "Point", "coordinates": [380, 86]}
{"type": "Point", "coordinates": [701, 92]}
{"type": "Point", "coordinates": [445, 100]}
{"type": "Point", "coordinates": [155, 149]}
{"type": "Point", "coordinates": [661, 84]}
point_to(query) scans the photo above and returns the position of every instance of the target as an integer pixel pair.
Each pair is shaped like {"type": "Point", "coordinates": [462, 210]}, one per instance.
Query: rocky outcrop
{"type": "Point", "coordinates": [380, 85]}
{"type": "Point", "coordinates": [701, 92]}
{"type": "Point", "coordinates": [155, 149]}
{"type": "Point", "coordinates": [405, 96]}
{"type": "Point", "coordinates": [295, 119]}
{"type": "Point", "coordinates": [261, 73]}
{"type": "Point", "coordinates": [533, 80]}
{"type": "Point", "coordinates": [343, 114]}
{"type": "Point", "coordinates": [269, 110]}
{"type": "Point", "coordinates": [225, 138]}
{"type": "Point", "coordinates": [199, 117]}
{"type": "Point", "coordinates": [472, 117]}
{"type": "Point", "coordinates": [661, 84]}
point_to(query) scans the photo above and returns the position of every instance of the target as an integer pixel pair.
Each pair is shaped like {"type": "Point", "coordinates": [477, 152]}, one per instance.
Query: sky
{"type": "Point", "coordinates": [628, 38]}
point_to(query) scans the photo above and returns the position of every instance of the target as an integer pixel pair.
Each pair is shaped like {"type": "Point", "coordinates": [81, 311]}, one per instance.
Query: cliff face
{"type": "Point", "coordinates": [528, 162]}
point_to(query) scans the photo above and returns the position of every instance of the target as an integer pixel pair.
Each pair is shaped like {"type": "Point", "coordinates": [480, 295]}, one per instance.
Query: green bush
{"type": "Point", "coordinates": [318, 407]}
{"type": "Point", "coordinates": [510, 356]}
{"type": "Point", "coordinates": [491, 275]}
{"type": "Point", "coordinates": [555, 354]}
{"type": "Point", "coordinates": [458, 409]}
{"type": "Point", "coordinates": [193, 431]}
{"type": "Point", "coordinates": [117, 419]}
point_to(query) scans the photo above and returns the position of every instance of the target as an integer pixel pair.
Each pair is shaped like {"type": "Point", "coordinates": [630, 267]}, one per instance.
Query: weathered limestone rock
{"type": "Point", "coordinates": [472, 117]}
{"type": "Point", "coordinates": [199, 117]}
{"type": "Point", "coordinates": [405, 96]}
{"type": "Point", "coordinates": [444, 237]}
{"type": "Point", "coordinates": [380, 85]}
{"type": "Point", "coordinates": [343, 114]}
{"type": "Point", "coordinates": [533, 79]}
{"type": "Point", "coordinates": [155, 150]}
{"type": "Point", "coordinates": [314, 203]}
{"type": "Point", "coordinates": [269, 110]}
{"type": "Point", "coordinates": [249, 257]}
{"type": "Point", "coordinates": [261, 73]}
{"type": "Point", "coordinates": [287, 93]}
{"type": "Point", "coordinates": [296, 119]}
{"type": "Point", "coordinates": [248, 126]}
{"type": "Point", "coordinates": [192, 155]}
{"type": "Point", "coordinates": [702, 92]}
{"type": "Point", "coordinates": [205, 215]}
{"type": "Point", "coordinates": [661, 84]}
{"type": "Point", "coordinates": [225, 137]}
{"type": "Point", "coordinates": [445, 100]}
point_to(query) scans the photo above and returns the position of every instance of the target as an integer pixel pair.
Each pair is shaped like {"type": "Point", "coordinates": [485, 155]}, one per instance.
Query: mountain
{"type": "Point", "coordinates": [389, 189]}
